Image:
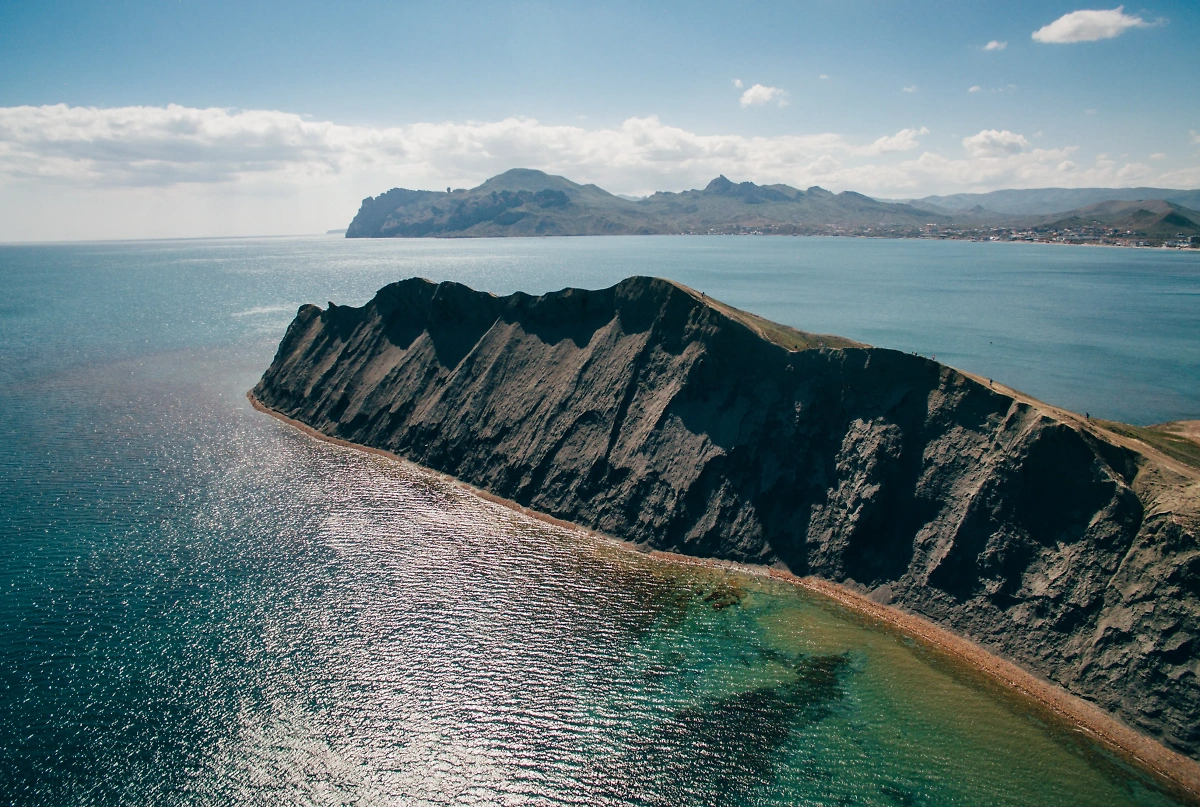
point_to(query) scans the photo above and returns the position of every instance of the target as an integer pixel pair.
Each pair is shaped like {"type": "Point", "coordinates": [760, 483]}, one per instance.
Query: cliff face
{"type": "Point", "coordinates": [658, 416]}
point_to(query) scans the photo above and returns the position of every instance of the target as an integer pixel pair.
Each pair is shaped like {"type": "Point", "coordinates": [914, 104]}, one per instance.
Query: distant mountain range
{"type": "Point", "coordinates": [1155, 218]}
{"type": "Point", "coordinates": [524, 202]}
{"type": "Point", "coordinates": [531, 203]}
{"type": "Point", "coordinates": [1045, 201]}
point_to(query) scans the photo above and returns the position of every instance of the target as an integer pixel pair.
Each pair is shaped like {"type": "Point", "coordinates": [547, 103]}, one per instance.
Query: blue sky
{"type": "Point", "coordinates": [219, 108]}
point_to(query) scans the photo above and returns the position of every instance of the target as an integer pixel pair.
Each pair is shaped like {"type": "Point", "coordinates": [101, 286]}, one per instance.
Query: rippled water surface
{"type": "Point", "coordinates": [199, 605]}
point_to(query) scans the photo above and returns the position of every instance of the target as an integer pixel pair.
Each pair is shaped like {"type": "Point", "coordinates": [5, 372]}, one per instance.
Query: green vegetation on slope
{"type": "Point", "coordinates": [1153, 218]}
{"type": "Point", "coordinates": [1164, 437]}
{"type": "Point", "coordinates": [784, 335]}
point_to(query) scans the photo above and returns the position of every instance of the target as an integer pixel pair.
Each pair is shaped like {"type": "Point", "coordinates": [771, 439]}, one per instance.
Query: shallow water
{"type": "Point", "coordinates": [200, 605]}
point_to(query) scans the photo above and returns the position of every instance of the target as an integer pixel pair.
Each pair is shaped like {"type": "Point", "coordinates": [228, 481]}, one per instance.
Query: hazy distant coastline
{"type": "Point", "coordinates": [524, 202]}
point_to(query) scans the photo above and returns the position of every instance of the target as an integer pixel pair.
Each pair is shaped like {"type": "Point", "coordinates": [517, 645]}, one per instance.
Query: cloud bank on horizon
{"type": "Point", "coordinates": [62, 156]}
{"type": "Point", "coordinates": [150, 120]}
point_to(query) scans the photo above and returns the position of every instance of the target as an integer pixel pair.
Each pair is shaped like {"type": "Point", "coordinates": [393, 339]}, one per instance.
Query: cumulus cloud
{"type": "Point", "coordinates": [1088, 25]}
{"type": "Point", "coordinates": [737, 83]}
{"type": "Point", "coordinates": [910, 88]}
{"type": "Point", "coordinates": [758, 95]}
{"type": "Point", "coordinates": [1195, 138]}
{"type": "Point", "coordinates": [995, 44]}
{"type": "Point", "coordinates": [823, 76]}
{"type": "Point", "coordinates": [1181, 178]}
{"type": "Point", "coordinates": [993, 143]}
{"type": "Point", "coordinates": [163, 147]}
{"type": "Point", "coordinates": [165, 171]}
{"type": "Point", "coordinates": [975, 88]}
{"type": "Point", "coordinates": [903, 140]}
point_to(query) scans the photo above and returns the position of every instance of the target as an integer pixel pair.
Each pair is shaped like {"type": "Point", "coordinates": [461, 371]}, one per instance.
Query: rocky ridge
{"type": "Point", "coordinates": [654, 414]}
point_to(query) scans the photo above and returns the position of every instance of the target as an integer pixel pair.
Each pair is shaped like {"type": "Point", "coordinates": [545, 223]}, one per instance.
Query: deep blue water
{"type": "Point", "coordinates": [1110, 331]}
{"type": "Point", "coordinates": [198, 605]}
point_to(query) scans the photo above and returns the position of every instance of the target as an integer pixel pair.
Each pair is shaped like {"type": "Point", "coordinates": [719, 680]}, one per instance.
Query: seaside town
{"type": "Point", "coordinates": [1098, 235]}
{"type": "Point", "coordinates": [1086, 236]}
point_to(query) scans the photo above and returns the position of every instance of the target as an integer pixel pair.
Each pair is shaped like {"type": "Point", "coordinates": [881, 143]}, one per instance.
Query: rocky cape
{"type": "Point", "coordinates": [524, 202]}
{"type": "Point", "coordinates": [657, 415]}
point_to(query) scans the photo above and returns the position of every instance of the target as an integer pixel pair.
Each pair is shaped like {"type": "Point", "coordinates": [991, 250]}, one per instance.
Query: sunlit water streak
{"type": "Point", "coordinates": [200, 605]}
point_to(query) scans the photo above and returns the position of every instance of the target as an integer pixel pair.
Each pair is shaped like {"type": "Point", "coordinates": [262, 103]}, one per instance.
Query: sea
{"type": "Point", "coordinates": [199, 605]}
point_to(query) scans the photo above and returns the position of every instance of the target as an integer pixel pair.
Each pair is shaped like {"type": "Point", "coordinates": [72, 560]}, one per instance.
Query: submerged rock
{"type": "Point", "coordinates": [656, 415]}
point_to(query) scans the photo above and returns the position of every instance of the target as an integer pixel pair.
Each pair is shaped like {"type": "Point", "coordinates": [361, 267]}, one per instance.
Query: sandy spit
{"type": "Point", "coordinates": [1179, 775]}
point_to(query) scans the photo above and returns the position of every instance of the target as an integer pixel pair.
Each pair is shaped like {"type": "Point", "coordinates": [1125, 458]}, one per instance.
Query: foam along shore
{"type": "Point", "coordinates": [1177, 774]}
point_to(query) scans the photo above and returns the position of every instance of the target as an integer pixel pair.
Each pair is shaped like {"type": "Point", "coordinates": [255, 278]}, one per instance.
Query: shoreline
{"type": "Point", "coordinates": [861, 236]}
{"type": "Point", "coordinates": [1177, 774]}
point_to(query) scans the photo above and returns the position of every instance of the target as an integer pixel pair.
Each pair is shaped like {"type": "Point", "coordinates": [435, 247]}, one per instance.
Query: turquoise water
{"type": "Point", "coordinates": [199, 605]}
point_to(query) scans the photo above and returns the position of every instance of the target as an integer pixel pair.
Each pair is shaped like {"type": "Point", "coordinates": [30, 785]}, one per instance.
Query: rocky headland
{"type": "Point", "coordinates": [654, 414]}
{"type": "Point", "coordinates": [528, 203]}
{"type": "Point", "coordinates": [523, 202]}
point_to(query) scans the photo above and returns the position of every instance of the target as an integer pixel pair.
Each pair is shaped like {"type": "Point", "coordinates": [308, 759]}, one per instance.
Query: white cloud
{"type": "Point", "coordinates": [737, 82]}
{"type": "Point", "coordinates": [163, 145]}
{"type": "Point", "coordinates": [975, 88]}
{"type": "Point", "coordinates": [903, 140]}
{"type": "Point", "coordinates": [1088, 25]}
{"type": "Point", "coordinates": [1158, 155]}
{"type": "Point", "coordinates": [993, 143]}
{"type": "Point", "coordinates": [995, 44]}
{"type": "Point", "coordinates": [1195, 138]}
{"type": "Point", "coordinates": [132, 172]}
{"type": "Point", "coordinates": [1182, 178]}
{"type": "Point", "coordinates": [758, 95]}
{"type": "Point", "coordinates": [824, 77]}
{"type": "Point", "coordinates": [269, 152]}
{"type": "Point", "coordinates": [910, 88]}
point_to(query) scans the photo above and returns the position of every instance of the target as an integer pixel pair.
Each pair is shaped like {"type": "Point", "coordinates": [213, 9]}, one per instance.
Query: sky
{"type": "Point", "coordinates": [187, 119]}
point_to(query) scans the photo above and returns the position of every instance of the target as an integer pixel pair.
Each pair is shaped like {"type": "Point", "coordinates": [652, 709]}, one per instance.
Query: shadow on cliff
{"type": "Point", "coordinates": [650, 413]}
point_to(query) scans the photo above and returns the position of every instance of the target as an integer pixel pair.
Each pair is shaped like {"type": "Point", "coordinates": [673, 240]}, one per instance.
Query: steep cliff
{"type": "Point", "coordinates": [654, 414]}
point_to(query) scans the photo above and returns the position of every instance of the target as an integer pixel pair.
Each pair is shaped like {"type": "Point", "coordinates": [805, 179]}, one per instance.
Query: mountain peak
{"type": "Point", "coordinates": [719, 185]}
{"type": "Point", "coordinates": [528, 202]}
{"type": "Point", "coordinates": [527, 179]}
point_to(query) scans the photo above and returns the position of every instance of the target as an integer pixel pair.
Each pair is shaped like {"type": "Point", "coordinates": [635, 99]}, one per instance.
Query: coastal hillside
{"type": "Point", "coordinates": [517, 202]}
{"type": "Point", "coordinates": [523, 202]}
{"type": "Point", "coordinates": [1153, 218]}
{"type": "Point", "coordinates": [1048, 201]}
{"type": "Point", "coordinates": [657, 415]}
{"type": "Point", "coordinates": [722, 205]}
